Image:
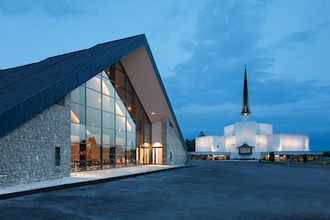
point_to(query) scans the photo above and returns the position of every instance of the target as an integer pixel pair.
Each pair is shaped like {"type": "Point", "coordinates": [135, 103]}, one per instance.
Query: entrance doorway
{"type": "Point", "coordinates": [157, 153]}
{"type": "Point", "coordinates": [145, 155]}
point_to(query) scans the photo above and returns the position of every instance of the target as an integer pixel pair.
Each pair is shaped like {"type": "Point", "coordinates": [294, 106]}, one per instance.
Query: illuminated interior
{"type": "Point", "coordinates": [109, 127]}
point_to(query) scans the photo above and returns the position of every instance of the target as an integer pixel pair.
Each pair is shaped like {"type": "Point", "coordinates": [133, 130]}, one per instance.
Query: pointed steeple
{"type": "Point", "coordinates": [245, 105]}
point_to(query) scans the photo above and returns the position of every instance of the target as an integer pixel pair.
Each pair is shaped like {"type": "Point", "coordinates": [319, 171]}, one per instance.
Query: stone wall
{"type": "Point", "coordinates": [174, 152]}
{"type": "Point", "coordinates": [27, 154]}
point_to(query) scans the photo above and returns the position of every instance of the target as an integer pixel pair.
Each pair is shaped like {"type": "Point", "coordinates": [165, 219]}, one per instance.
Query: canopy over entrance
{"type": "Point", "coordinates": [245, 149]}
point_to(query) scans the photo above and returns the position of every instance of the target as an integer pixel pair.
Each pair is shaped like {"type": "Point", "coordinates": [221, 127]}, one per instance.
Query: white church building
{"type": "Point", "coordinates": [251, 140]}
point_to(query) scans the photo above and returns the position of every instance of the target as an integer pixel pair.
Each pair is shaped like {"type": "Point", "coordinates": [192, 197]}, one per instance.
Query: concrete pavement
{"type": "Point", "coordinates": [228, 190]}
{"type": "Point", "coordinates": [83, 178]}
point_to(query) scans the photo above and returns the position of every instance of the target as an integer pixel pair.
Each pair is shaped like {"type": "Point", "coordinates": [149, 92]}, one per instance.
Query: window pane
{"type": "Point", "coordinates": [130, 156]}
{"type": "Point", "coordinates": [108, 136]}
{"type": "Point", "coordinates": [94, 83]}
{"type": "Point", "coordinates": [120, 108]}
{"type": "Point", "coordinates": [130, 125]}
{"type": "Point", "coordinates": [77, 133]}
{"type": "Point", "coordinates": [108, 103]}
{"type": "Point", "coordinates": [78, 95]}
{"type": "Point", "coordinates": [120, 76]}
{"type": "Point", "coordinates": [112, 155]}
{"type": "Point", "coordinates": [77, 113]}
{"type": "Point", "coordinates": [131, 140]}
{"type": "Point", "coordinates": [120, 138]}
{"type": "Point", "coordinates": [107, 87]}
{"type": "Point", "coordinates": [108, 120]}
{"type": "Point", "coordinates": [93, 99]}
{"type": "Point", "coordinates": [93, 135]}
{"type": "Point", "coordinates": [93, 117]}
{"type": "Point", "coordinates": [120, 156]}
{"type": "Point", "coordinates": [106, 157]}
{"type": "Point", "coordinates": [120, 123]}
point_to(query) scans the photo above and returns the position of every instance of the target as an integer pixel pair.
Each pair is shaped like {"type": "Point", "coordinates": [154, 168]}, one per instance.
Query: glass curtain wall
{"type": "Point", "coordinates": [108, 124]}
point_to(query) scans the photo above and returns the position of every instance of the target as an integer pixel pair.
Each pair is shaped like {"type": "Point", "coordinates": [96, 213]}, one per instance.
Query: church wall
{"type": "Point", "coordinates": [264, 128]}
{"type": "Point", "coordinates": [230, 144]}
{"type": "Point", "coordinates": [39, 149]}
{"type": "Point", "coordinates": [218, 144]}
{"type": "Point", "coordinates": [173, 149]}
{"type": "Point", "coordinates": [293, 142]}
{"type": "Point", "coordinates": [203, 143]}
{"type": "Point", "coordinates": [273, 142]}
{"type": "Point", "coordinates": [245, 132]}
{"type": "Point", "coordinates": [210, 144]}
{"type": "Point", "coordinates": [229, 130]}
{"type": "Point", "coordinates": [261, 143]}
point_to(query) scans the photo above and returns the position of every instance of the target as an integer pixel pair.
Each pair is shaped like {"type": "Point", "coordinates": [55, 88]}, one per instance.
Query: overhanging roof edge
{"type": "Point", "coordinates": [164, 91]}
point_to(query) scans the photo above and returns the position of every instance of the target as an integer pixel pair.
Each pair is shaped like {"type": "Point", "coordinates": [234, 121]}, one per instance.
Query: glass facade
{"type": "Point", "coordinates": [109, 127]}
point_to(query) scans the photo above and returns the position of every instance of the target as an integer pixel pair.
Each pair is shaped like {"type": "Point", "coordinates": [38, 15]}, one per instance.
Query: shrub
{"type": "Point", "coordinates": [271, 157]}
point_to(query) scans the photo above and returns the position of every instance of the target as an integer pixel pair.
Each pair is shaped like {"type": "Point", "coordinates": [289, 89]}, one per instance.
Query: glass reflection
{"type": "Point", "coordinates": [94, 83]}
{"type": "Point", "coordinates": [120, 123]}
{"type": "Point", "coordinates": [77, 113]}
{"type": "Point", "coordinates": [120, 137]}
{"type": "Point", "coordinates": [78, 95]}
{"type": "Point", "coordinates": [93, 117]}
{"type": "Point", "coordinates": [93, 99]}
{"type": "Point", "coordinates": [93, 135]}
{"type": "Point", "coordinates": [77, 133]}
{"type": "Point", "coordinates": [108, 120]}
{"type": "Point", "coordinates": [120, 156]}
{"type": "Point", "coordinates": [108, 103]}
{"type": "Point", "coordinates": [120, 108]}
{"type": "Point", "coordinates": [103, 134]}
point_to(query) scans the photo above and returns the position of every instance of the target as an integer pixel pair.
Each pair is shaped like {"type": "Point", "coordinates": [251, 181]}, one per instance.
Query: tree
{"type": "Point", "coordinates": [190, 145]}
{"type": "Point", "coordinates": [271, 157]}
{"type": "Point", "coordinates": [201, 134]}
{"type": "Point", "coordinates": [305, 158]}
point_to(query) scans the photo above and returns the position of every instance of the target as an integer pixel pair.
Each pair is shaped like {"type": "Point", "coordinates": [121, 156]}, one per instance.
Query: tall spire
{"type": "Point", "coordinates": [245, 105]}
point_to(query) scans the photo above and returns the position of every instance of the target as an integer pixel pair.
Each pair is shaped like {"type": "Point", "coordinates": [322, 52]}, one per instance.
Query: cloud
{"type": "Point", "coordinates": [58, 8]}
{"type": "Point", "coordinates": [292, 40]}
{"type": "Point", "coordinates": [208, 86]}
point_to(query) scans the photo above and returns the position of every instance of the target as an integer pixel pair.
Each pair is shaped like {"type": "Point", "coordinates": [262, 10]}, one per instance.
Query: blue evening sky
{"type": "Point", "coordinates": [200, 48]}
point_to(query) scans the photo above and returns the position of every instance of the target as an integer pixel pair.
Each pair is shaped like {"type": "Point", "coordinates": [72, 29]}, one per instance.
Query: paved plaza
{"type": "Point", "coordinates": [204, 190]}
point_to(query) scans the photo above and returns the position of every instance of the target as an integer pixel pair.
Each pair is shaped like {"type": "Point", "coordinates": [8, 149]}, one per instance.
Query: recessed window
{"type": "Point", "coordinates": [57, 156]}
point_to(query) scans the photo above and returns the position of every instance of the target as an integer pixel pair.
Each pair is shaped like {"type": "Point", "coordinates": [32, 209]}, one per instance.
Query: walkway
{"type": "Point", "coordinates": [83, 178]}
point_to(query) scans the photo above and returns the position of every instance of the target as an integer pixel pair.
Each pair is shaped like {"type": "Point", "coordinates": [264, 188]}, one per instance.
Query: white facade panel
{"type": "Point", "coordinates": [218, 144]}
{"type": "Point", "coordinates": [245, 133]}
{"type": "Point", "coordinates": [265, 128]}
{"type": "Point", "coordinates": [293, 142]}
{"type": "Point", "coordinates": [203, 143]}
{"type": "Point", "coordinates": [229, 130]}
{"type": "Point", "coordinates": [261, 143]}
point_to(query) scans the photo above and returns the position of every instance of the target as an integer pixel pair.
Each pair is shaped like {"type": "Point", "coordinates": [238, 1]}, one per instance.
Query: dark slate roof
{"type": "Point", "coordinates": [245, 146]}
{"type": "Point", "coordinates": [27, 90]}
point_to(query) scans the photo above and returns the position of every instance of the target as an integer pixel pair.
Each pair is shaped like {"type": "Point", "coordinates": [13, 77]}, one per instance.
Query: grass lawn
{"type": "Point", "coordinates": [321, 162]}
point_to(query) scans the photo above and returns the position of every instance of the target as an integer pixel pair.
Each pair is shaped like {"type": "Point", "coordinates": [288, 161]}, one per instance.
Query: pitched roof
{"type": "Point", "coordinates": [29, 89]}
